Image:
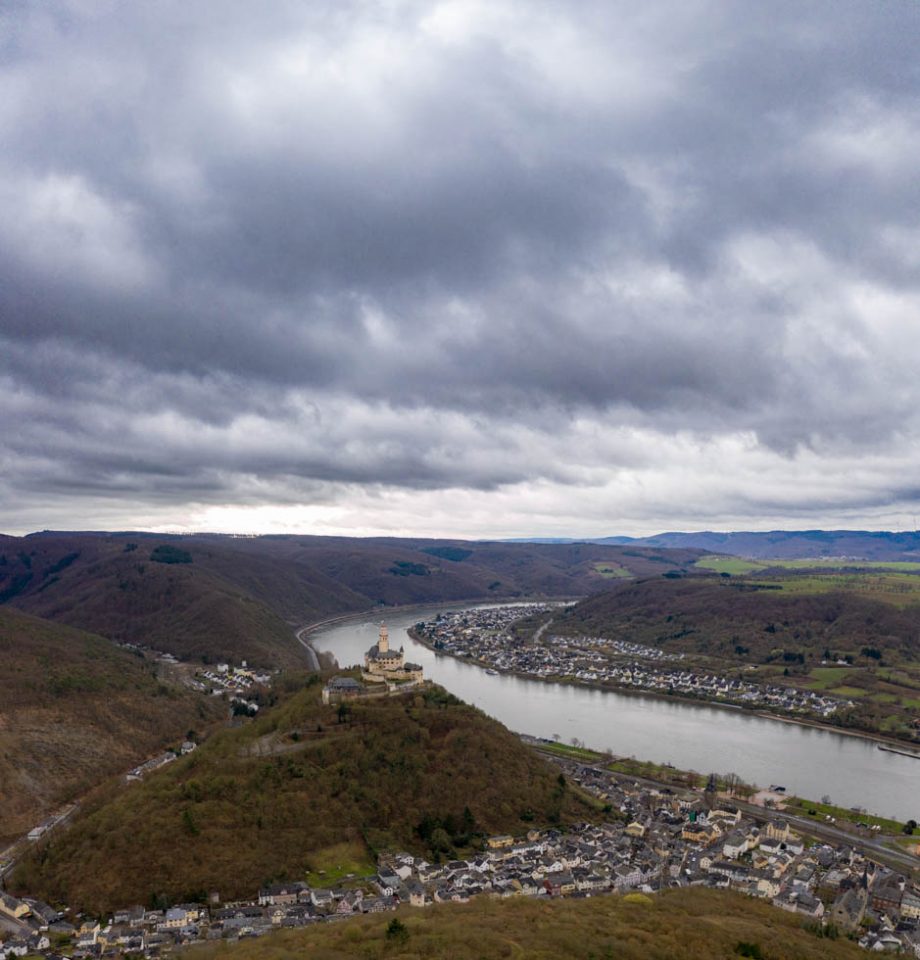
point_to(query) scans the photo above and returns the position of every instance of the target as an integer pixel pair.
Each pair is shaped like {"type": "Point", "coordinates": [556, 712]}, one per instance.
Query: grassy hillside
{"type": "Point", "coordinates": [220, 597]}
{"type": "Point", "coordinates": [75, 708]}
{"type": "Point", "coordinates": [270, 800]}
{"type": "Point", "coordinates": [690, 924]}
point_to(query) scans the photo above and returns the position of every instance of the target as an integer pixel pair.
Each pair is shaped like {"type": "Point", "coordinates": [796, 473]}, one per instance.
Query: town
{"type": "Point", "coordinates": [653, 839]}
{"type": "Point", "coordinates": [483, 635]}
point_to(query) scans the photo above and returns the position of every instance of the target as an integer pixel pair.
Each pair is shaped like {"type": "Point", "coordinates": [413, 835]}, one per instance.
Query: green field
{"type": "Point", "coordinates": [823, 678]}
{"type": "Point", "coordinates": [573, 753]}
{"type": "Point", "coordinates": [885, 698]}
{"type": "Point", "coordinates": [662, 772]}
{"type": "Point", "coordinates": [896, 566]}
{"type": "Point", "coordinates": [737, 566]}
{"type": "Point", "coordinates": [803, 808]}
{"type": "Point", "coordinates": [331, 865]}
{"type": "Point", "coordinates": [732, 565]}
{"type": "Point", "coordinates": [906, 843]}
{"type": "Point", "coordinates": [898, 589]}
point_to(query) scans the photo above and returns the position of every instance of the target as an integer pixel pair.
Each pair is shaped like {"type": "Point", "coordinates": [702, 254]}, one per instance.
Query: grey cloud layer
{"type": "Point", "coordinates": [249, 254]}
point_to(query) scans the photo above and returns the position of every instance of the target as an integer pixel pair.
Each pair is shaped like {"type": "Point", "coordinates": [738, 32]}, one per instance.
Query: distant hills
{"type": "Point", "coordinates": [775, 544]}
{"type": "Point", "coordinates": [303, 787]}
{"type": "Point", "coordinates": [220, 597]}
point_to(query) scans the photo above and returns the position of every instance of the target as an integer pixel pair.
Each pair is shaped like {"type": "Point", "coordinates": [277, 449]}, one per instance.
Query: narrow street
{"type": "Point", "coordinates": [311, 653]}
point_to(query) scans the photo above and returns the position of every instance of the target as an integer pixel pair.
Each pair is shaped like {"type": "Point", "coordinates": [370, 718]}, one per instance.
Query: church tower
{"type": "Point", "coordinates": [383, 644]}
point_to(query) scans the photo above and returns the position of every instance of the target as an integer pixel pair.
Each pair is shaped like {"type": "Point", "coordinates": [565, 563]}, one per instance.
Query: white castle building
{"type": "Point", "coordinates": [382, 664]}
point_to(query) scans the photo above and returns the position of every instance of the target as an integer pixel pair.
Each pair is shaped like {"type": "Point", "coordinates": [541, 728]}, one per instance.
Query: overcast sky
{"type": "Point", "coordinates": [463, 268]}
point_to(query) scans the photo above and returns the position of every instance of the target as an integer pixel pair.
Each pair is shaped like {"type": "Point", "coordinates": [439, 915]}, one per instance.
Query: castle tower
{"type": "Point", "coordinates": [383, 644]}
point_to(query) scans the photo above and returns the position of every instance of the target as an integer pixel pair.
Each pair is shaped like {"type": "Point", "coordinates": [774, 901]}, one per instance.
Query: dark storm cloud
{"type": "Point", "coordinates": [249, 255]}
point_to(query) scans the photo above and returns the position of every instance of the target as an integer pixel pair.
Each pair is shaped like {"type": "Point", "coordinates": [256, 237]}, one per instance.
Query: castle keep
{"type": "Point", "coordinates": [382, 664]}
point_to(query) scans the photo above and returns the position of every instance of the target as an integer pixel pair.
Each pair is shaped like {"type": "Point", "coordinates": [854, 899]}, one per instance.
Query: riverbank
{"type": "Point", "coordinates": [902, 753]}
{"type": "Point", "coordinates": [301, 634]}
{"type": "Point", "coordinates": [883, 742]}
{"type": "Point", "coordinates": [562, 681]}
{"type": "Point", "coordinates": [811, 817]}
{"type": "Point", "coordinates": [879, 739]}
{"type": "Point", "coordinates": [687, 734]}
{"type": "Point", "coordinates": [444, 606]}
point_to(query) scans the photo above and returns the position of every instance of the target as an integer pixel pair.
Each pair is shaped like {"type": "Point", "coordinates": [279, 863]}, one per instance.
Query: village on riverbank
{"type": "Point", "coordinates": [483, 635]}
{"type": "Point", "coordinates": [654, 836]}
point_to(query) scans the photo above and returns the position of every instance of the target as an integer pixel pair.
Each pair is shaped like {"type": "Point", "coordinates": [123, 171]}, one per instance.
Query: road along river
{"type": "Point", "coordinates": [809, 762]}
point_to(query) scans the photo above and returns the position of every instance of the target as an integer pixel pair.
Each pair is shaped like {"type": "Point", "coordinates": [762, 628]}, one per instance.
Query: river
{"type": "Point", "coordinates": [807, 761]}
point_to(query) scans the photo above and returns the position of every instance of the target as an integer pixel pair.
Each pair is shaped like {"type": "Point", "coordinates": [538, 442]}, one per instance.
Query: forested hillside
{"type": "Point", "coordinates": [716, 615]}
{"type": "Point", "coordinates": [74, 709]}
{"type": "Point", "coordinates": [303, 783]}
{"type": "Point", "coordinates": [239, 598]}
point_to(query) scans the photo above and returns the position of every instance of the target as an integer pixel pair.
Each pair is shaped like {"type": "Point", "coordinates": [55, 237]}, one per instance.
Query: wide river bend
{"type": "Point", "coordinates": [807, 761]}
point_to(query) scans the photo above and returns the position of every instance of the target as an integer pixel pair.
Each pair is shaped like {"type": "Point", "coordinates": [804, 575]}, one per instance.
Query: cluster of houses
{"type": "Point", "coordinates": [226, 678]}
{"type": "Point", "coordinates": [477, 623]}
{"type": "Point", "coordinates": [833, 885]}
{"type": "Point", "coordinates": [625, 649]}
{"type": "Point", "coordinates": [483, 636]}
{"type": "Point", "coordinates": [581, 658]}
{"type": "Point", "coordinates": [656, 839]}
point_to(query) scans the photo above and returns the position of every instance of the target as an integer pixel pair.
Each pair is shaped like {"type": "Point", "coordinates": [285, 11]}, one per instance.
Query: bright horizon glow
{"type": "Point", "coordinates": [461, 269]}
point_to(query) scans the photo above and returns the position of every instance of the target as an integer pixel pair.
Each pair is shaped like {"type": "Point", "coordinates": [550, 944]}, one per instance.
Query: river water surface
{"type": "Point", "coordinates": [807, 761]}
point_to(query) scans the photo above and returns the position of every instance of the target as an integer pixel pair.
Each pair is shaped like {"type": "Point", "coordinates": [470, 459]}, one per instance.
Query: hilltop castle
{"type": "Point", "coordinates": [382, 664]}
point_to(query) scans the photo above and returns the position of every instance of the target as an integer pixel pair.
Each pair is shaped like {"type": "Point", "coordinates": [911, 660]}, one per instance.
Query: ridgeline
{"type": "Point", "coordinates": [210, 597]}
